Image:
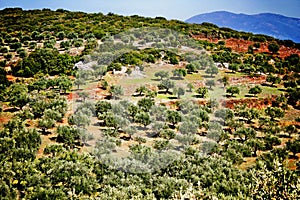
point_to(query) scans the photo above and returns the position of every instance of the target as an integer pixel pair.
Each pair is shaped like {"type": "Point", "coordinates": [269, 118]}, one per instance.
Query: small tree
{"type": "Point", "coordinates": [142, 90]}
{"type": "Point", "coordinates": [53, 114]}
{"type": "Point", "coordinates": [210, 83]}
{"type": "Point", "coordinates": [166, 84]}
{"type": "Point", "coordinates": [273, 79]}
{"type": "Point", "coordinates": [191, 68]}
{"type": "Point", "coordinates": [245, 133]}
{"type": "Point", "coordinates": [46, 123]}
{"type": "Point", "coordinates": [61, 35]}
{"type": "Point", "coordinates": [202, 91]}
{"type": "Point", "coordinates": [179, 91]}
{"type": "Point", "coordinates": [173, 117]}
{"type": "Point", "coordinates": [102, 107]}
{"type": "Point", "coordinates": [250, 114]}
{"type": "Point", "coordinates": [68, 135]}
{"type": "Point", "coordinates": [188, 128]}
{"type": "Point", "coordinates": [162, 74]}
{"type": "Point", "coordinates": [225, 80]}
{"type": "Point", "coordinates": [145, 104]}
{"type": "Point", "coordinates": [190, 86]}
{"type": "Point", "coordinates": [273, 47]}
{"type": "Point", "coordinates": [233, 90]}
{"type": "Point", "coordinates": [225, 114]}
{"type": "Point", "coordinates": [83, 95]}
{"type": "Point", "coordinates": [85, 136]}
{"type": "Point", "coordinates": [18, 95]}
{"type": "Point", "coordinates": [80, 119]}
{"type": "Point", "coordinates": [100, 71]}
{"type": "Point", "coordinates": [180, 73]}
{"type": "Point", "coordinates": [271, 141]}
{"type": "Point", "coordinates": [255, 90]}
{"type": "Point", "coordinates": [293, 146]}
{"type": "Point", "coordinates": [255, 145]}
{"type": "Point", "coordinates": [213, 70]}
{"type": "Point", "coordinates": [64, 83]}
{"type": "Point", "coordinates": [174, 60]}
{"type": "Point", "coordinates": [291, 129]}
{"type": "Point", "coordinates": [274, 112]}
{"type": "Point", "coordinates": [104, 84]}
{"type": "Point", "coordinates": [110, 120]}
{"type": "Point", "coordinates": [116, 91]}
{"type": "Point", "coordinates": [143, 118]}
{"type": "Point", "coordinates": [78, 82]}
{"type": "Point", "coordinates": [234, 67]}
{"type": "Point", "coordinates": [281, 101]}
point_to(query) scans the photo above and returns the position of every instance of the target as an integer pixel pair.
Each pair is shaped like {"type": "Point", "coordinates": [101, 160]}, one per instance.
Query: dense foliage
{"type": "Point", "coordinates": [44, 148]}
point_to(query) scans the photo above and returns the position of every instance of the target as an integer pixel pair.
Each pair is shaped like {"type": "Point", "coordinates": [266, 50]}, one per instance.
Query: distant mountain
{"type": "Point", "coordinates": [278, 26]}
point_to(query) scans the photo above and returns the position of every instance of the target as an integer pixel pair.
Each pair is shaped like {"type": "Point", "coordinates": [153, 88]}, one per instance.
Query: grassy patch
{"type": "Point", "coordinates": [193, 77]}
{"type": "Point", "coordinates": [266, 91]}
{"type": "Point", "coordinates": [164, 96]}
{"type": "Point", "coordinates": [228, 73]}
{"type": "Point", "coordinates": [248, 162]}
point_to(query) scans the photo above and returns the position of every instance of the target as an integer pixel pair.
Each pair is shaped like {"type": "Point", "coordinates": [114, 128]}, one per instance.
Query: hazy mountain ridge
{"type": "Point", "coordinates": [278, 26]}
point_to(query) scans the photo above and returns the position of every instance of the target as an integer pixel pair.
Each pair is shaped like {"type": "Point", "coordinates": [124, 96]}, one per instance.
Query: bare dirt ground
{"type": "Point", "coordinates": [239, 45]}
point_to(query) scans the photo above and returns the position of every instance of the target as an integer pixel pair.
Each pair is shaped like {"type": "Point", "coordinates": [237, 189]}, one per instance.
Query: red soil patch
{"type": "Point", "coordinates": [198, 84]}
{"type": "Point", "coordinates": [11, 78]}
{"type": "Point", "coordinates": [239, 45]}
{"type": "Point", "coordinates": [292, 164]}
{"type": "Point", "coordinates": [248, 79]}
{"type": "Point", "coordinates": [250, 102]}
{"type": "Point", "coordinates": [4, 120]}
{"type": "Point", "coordinates": [71, 96]}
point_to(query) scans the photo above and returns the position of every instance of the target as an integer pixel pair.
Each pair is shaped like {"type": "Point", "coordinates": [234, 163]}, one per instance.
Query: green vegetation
{"type": "Point", "coordinates": [153, 132]}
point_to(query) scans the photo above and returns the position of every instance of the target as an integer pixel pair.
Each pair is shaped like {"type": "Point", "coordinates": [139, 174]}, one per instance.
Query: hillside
{"type": "Point", "coordinates": [278, 26]}
{"type": "Point", "coordinates": [96, 106]}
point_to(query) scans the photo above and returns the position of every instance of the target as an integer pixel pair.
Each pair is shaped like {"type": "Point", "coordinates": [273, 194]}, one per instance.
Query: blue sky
{"type": "Point", "coordinates": [171, 9]}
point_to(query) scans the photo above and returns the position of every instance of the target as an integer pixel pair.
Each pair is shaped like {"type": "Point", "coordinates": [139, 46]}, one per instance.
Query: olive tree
{"type": "Point", "coordinates": [213, 70]}
{"type": "Point", "coordinates": [202, 91]}
{"type": "Point", "coordinates": [233, 90]}
{"type": "Point", "coordinates": [179, 92]}
{"type": "Point", "coordinates": [162, 74]}
{"type": "Point", "coordinates": [274, 112]}
{"type": "Point", "coordinates": [116, 91]}
{"type": "Point", "coordinates": [166, 84]}
{"type": "Point", "coordinates": [255, 90]}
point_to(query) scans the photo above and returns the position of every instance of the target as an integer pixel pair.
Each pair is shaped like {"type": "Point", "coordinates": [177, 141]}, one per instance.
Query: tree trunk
{"type": "Point", "coordinates": [255, 150]}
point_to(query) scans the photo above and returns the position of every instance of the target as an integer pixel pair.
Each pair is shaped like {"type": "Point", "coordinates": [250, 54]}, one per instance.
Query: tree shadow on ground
{"type": "Point", "coordinates": [198, 96]}
{"type": "Point", "coordinates": [283, 136]}
{"type": "Point", "coordinates": [249, 95]}
{"type": "Point", "coordinates": [108, 97]}
{"type": "Point", "coordinates": [45, 132]}
{"type": "Point", "coordinates": [208, 76]}
{"type": "Point", "coordinates": [12, 110]}
{"type": "Point", "coordinates": [229, 96]}
{"type": "Point", "coordinates": [282, 89]}
{"type": "Point", "coordinates": [164, 92]}
{"type": "Point", "coordinates": [269, 85]}
{"type": "Point", "coordinates": [152, 134]}
{"type": "Point", "coordinates": [53, 138]}
{"type": "Point", "coordinates": [155, 79]}
{"type": "Point", "coordinates": [138, 95]}
{"type": "Point", "coordinates": [293, 157]}
{"type": "Point", "coordinates": [176, 78]}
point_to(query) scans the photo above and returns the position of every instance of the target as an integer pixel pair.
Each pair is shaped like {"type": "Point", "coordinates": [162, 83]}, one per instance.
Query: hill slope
{"type": "Point", "coordinates": [278, 26]}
